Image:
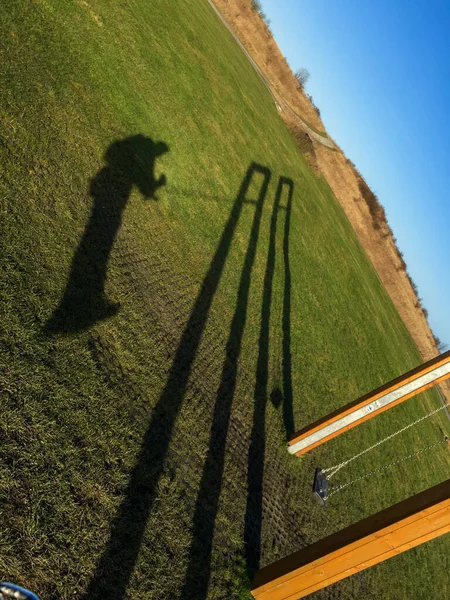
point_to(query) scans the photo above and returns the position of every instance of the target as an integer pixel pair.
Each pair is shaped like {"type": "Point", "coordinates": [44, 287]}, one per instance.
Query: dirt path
{"type": "Point", "coordinates": [281, 103]}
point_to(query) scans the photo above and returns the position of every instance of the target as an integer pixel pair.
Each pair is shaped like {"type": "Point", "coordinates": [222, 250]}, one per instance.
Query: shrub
{"type": "Point", "coordinates": [440, 345]}
{"type": "Point", "coordinates": [257, 5]}
{"type": "Point", "coordinates": [376, 210]}
{"type": "Point", "coordinates": [314, 105]}
{"type": "Point", "coordinates": [306, 146]}
{"type": "Point", "coordinates": [379, 220]}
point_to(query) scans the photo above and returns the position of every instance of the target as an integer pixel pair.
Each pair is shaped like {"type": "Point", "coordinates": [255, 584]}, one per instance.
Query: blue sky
{"type": "Point", "coordinates": [380, 74]}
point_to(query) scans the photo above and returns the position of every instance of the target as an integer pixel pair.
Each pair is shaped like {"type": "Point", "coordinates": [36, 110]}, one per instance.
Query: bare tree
{"type": "Point", "coordinates": [302, 76]}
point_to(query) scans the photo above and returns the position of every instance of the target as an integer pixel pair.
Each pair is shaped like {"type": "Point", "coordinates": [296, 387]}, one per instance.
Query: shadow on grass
{"type": "Point", "coordinates": [255, 468]}
{"type": "Point", "coordinates": [199, 565]}
{"type": "Point", "coordinates": [288, 411]}
{"type": "Point", "coordinates": [116, 565]}
{"type": "Point", "coordinates": [130, 161]}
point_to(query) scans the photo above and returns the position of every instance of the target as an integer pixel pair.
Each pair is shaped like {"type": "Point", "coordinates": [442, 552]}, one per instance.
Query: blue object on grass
{"type": "Point", "coordinates": [11, 591]}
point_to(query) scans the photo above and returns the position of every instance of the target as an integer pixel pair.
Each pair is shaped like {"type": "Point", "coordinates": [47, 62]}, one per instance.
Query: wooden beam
{"type": "Point", "coordinates": [362, 545]}
{"type": "Point", "coordinates": [372, 404]}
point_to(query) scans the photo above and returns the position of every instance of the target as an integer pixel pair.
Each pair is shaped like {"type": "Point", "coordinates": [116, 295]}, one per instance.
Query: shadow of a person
{"type": "Point", "coordinates": [130, 161]}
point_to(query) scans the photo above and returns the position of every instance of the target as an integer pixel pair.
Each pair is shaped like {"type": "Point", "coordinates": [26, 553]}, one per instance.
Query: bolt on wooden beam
{"type": "Point", "coordinates": [372, 404]}
{"type": "Point", "coordinates": [362, 545]}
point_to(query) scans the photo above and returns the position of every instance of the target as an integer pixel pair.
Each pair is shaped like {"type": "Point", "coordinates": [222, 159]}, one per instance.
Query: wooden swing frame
{"type": "Point", "coordinates": [379, 537]}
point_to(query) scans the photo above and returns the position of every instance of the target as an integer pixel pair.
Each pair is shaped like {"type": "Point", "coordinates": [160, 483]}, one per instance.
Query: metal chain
{"type": "Point", "coordinates": [331, 471]}
{"type": "Point", "coordinates": [391, 464]}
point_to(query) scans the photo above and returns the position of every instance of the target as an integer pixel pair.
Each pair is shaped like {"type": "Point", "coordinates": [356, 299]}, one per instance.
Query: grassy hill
{"type": "Point", "coordinates": [178, 292]}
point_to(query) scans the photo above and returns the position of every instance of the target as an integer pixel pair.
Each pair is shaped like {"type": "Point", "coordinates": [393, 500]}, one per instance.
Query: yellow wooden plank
{"type": "Point", "coordinates": [373, 540]}
{"type": "Point", "coordinates": [397, 383]}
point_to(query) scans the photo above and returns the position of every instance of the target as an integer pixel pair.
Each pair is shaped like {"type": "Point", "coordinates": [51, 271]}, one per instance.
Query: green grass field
{"type": "Point", "coordinates": [178, 292]}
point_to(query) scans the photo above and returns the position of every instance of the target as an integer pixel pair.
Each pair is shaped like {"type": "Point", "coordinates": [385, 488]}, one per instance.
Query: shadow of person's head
{"type": "Point", "coordinates": [134, 158]}
{"type": "Point", "coordinates": [129, 162]}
